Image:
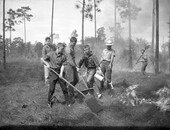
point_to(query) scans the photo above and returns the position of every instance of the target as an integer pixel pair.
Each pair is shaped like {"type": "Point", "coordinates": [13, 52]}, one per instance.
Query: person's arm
{"type": "Point", "coordinates": [43, 52]}
{"type": "Point", "coordinates": [96, 61]}
{"type": "Point", "coordinates": [54, 47]}
{"type": "Point", "coordinates": [62, 70]}
{"type": "Point", "coordinates": [101, 58]}
{"type": "Point", "coordinates": [112, 59]}
{"type": "Point", "coordinates": [143, 58]}
{"type": "Point", "coordinates": [47, 58]}
{"type": "Point", "coordinates": [97, 64]}
{"type": "Point", "coordinates": [72, 56]}
{"type": "Point", "coordinates": [81, 62]}
{"type": "Point", "coordinates": [72, 60]}
{"type": "Point", "coordinates": [64, 62]}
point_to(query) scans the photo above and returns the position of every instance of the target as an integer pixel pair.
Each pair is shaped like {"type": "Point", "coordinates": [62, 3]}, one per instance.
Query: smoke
{"type": "Point", "coordinates": [142, 26]}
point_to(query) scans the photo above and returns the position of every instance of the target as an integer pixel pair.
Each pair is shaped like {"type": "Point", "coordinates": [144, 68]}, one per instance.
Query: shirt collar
{"type": "Point", "coordinates": [109, 50]}
{"type": "Point", "coordinates": [90, 54]}
{"type": "Point", "coordinates": [58, 54]}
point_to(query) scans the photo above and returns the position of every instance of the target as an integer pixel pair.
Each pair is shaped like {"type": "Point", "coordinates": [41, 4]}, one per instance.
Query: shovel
{"type": "Point", "coordinates": [90, 100]}
{"type": "Point", "coordinates": [87, 89]}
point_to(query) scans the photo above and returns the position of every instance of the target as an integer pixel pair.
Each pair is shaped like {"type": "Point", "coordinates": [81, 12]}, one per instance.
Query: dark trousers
{"type": "Point", "coordinates": [107, 71]}
{"type": "Point", "coordinates": [71, 75]}
{"type": "Point", "coordinates": [144, 65]}
{"type": "Point", "coordinates": [90, 78]}
{"type": "Point", "coordinates": [99, 84]}
{"type": "Point", "coordinates": [53, 79]}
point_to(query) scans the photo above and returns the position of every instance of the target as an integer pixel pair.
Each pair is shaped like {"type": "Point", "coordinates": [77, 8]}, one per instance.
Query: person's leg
{"type": "Point", "coordinates": [90, 79]}
{"type": "Point", "coordinates": [144, 64]}
{"type": "Point", "coordinates": [76, 77]}
{"type": "Point", "coordinates": [107, 74]}
{"type": "Point", "coordinates": [103, 69]}
{"type": "Point", "coordinates": [108, 77]}
{"type": "Point", "coordinates": [51, 90]}
{"type": "Point", "coordinates": [46, 75]}
{"type": "Point", "coordinates": [145, 67]}
{"type": "Point", "coordinates": [97, 88]}
{"type": "Point", "coordinates": [69, 76]}
{"type": "Point", "coordinates": [71, 93]}
{"type": "Point", "coordinates": [65, 90]}
{"type": "Point", "coordinates": [75, 81]}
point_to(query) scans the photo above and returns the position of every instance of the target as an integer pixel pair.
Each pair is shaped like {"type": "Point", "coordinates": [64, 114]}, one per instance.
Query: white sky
{"type": "Point", "coordinates": [67, 18]}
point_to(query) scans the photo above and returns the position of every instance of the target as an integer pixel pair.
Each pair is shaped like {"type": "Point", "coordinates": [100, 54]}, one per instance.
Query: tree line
{"type": "Point", "coordinates": [125, 9]}
{"type": "Point", "coordinates": [18, 48]}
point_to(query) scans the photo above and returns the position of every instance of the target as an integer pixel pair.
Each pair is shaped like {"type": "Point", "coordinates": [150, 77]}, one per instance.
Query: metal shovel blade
{"type": "Point", "coordinates": [93, 104]}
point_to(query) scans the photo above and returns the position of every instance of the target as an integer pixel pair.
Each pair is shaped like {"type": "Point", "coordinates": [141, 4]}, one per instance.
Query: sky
{"type": "Point", "coordinates": [67, 18]}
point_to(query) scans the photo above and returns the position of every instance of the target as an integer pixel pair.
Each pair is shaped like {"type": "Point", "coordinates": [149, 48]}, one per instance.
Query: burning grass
{"type": "Point", "coordinates": [156, 93]}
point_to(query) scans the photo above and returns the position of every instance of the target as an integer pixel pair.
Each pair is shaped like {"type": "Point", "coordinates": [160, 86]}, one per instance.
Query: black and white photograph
{"type": "Point", "coordinates": [84, 64]}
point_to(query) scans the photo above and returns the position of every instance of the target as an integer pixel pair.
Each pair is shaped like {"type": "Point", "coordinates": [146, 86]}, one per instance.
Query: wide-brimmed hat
{"type": "Point", "coordinates": [109, 43]}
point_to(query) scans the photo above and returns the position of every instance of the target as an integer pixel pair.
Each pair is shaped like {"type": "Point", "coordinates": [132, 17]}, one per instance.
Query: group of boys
{"type": "Point", "coordinates": [61, 59]}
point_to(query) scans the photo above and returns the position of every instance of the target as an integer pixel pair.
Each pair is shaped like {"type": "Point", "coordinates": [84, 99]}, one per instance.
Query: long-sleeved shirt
{"type": "Point", "coordinates": [70, 53]}
{"type": "Point", "coordinates": [90, 61]}
{"type": "Point", "coordinates": [55, 60]}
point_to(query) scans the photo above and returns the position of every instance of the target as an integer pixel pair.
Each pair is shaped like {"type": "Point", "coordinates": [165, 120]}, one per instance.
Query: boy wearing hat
{"type": "Point", "coordinates": [106, 63]}
{"type": "Point", "coordinates": [69, 70]}
{"type": "Point", "coordinates": [48, 47]}
{"type": "Point", "coordinates": [91, 63]}
{"type": "Point", "coordinates": [56, 59]}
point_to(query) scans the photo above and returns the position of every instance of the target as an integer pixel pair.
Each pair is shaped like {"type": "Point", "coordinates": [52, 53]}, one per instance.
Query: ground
{"type": "Point", "coordinates": [24, 101]}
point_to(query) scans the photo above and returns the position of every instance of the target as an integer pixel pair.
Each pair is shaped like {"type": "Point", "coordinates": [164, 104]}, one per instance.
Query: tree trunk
{"type": "Point", "coordinates": [24, 29]}
{"type": "Point", "coordinates": [169, 46]}
{"type": "Point", "coordinates": [52, 17]}
{"type": "Point", "coordinates": [4, 48]}
{"type": "Point", "coordinates": [95, 19]}
{"type": "Point", "coordinates": [130, 48]}
{"type": "Point", "coordinates": [153, 28]}
{"type": "Point", "coordinates": [83, 22]}
{"type": "Point", "coordinates": [115, 22]}
{"type": "Point", "coordinates": [157, 38]}
{"type": "Point", "coordinates": [8, 44]}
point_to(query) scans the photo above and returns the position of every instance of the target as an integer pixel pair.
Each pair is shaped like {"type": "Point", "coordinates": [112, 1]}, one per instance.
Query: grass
{"type": "Point", "coordinates": [24, 100]}
{"type": "Point", "coordinates": [20, 70]}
